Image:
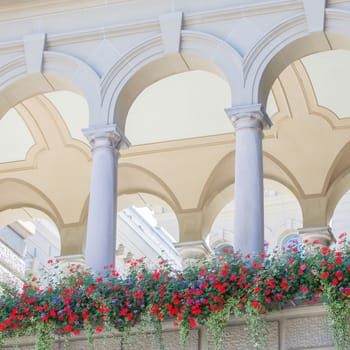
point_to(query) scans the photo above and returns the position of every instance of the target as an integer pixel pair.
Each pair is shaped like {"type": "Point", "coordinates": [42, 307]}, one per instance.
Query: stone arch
{"type": "Point", "coordinates": [146, 64]}
{"type": "Point", "coordinates": [141, 180]}
{"type": "Point", "coordinates": [225, 197]}
{"type": "Point", "coordinates": [279, 196]}
{"type": "Point", "coordinates": [336, 191]}
{"type": "Point", "coordinates": [219, 189]}
{"type": "Point", "coordinates": [59, 72]}
{"type": "Point", "coordinates": [222, 176]}
{"type": "Point", "coordinates": [339, 167]}
{"type": "Point", "coordinates": [286, 43]}
{"type": "Point", "coordinates": [17, 194]}
{"type": "Point", "coordinates": [337, 182]}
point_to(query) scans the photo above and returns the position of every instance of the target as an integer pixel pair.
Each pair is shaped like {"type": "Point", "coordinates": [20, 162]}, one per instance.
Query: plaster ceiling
{"type": "Point", "coordinates": [15, 137]}
{"type": "Point", "coordinates": [330, 76]}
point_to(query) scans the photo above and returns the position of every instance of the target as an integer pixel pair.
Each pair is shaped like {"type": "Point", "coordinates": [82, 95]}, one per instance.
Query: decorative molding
{"type": "Point", "coordinates": [170, 26]}
{"type": "Point", "coordinates": [34, 46]}
{"type": "Point", "coordinates": [115, 138]}
{"type": "Point", "coordinates": [151, 25]}
{"type": "Point", "coordinates": [315, 14]}
{"type": "Point", "coordinates": [249, 10]}
{"type": "Point", "coordinates": [285, 26]}
{"type": "Point", "coordinates": [323, 235]}
{"type": "Point", "coordinates": [252, 112]}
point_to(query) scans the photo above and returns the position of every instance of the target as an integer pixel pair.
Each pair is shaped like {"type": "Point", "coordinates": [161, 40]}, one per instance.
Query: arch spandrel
{"type": "Point", "coordinates": [59, 72]}
{"type": "Point", "coordinates": [146, 64]}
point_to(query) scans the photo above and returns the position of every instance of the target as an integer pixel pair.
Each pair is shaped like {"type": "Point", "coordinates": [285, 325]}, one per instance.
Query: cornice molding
{"type": "Point", "coordinates": [262, 43]}
{"type": "Point", "coordinates": [249, 10]}
{"type": "Point", "coordinates": [150, 25]}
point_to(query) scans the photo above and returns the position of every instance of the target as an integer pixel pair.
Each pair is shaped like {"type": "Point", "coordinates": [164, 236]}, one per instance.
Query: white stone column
{"type": "Point", "coordinates": [249, 121]}
{"type": "Point", "coordinates": [101, 228]}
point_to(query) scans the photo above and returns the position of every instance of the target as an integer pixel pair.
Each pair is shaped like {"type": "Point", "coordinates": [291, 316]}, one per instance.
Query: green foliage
{"type": "Point", "coordinates": [206, 293]}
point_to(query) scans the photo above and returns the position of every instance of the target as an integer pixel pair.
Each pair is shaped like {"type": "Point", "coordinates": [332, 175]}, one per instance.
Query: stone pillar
{"type": "Point", "coordinates": [249, 121]}
{"type": "Point", "coordinates": [317, 236]}
{"type": "Point", "coordinates": [101, 228]}
{"type": "Point", "coordinates": [191, 251]}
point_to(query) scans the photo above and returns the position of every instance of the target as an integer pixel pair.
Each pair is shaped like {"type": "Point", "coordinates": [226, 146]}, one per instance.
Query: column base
{"type": "Point", "coordinates": [317, 236]}
{"type": "Point", "coordinates": [191, 251]}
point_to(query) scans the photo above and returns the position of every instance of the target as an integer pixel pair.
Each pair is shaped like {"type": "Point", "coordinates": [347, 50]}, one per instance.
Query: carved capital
{"type": "Point", "coordinates": [106, 136]}
{"type": "Point", "coordinates": [248, 116]}
{"type": "Point", "coordinates": [317, 236]}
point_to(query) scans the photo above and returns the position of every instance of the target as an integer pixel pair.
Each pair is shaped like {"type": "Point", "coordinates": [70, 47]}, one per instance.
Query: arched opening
{"type": "Point", "coordinates": [181, 106]}
{"type": "Point", "coordinates": [48, 161]}
{"type": "Point", "coordinates": [282, 216]}
{"type": "Point", "coordinates": [28, 239]}
{"type": "Point", "coordinates": [340, 221]}
{"type": "Point", "coordinates": [146, 227]}
{"type": "Point", "coordinates": [311, 124]}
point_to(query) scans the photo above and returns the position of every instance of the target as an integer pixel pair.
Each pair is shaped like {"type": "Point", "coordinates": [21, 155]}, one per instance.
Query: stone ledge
{"type": "Point", "coordinates": [294, 328]}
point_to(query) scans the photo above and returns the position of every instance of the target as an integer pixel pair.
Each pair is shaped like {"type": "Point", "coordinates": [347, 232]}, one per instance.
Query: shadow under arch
{"type": "Point", "coordinates": [340, 165]}
{"type": "Point", "coordinates": [59, 72]}
{"type": "Point", "coordinates": [135, 179]}
{"type": "Point", "coordinates": [18, 194]}
{"type": "Point", "coordinates": [288, 42]}
{"type": "Point", "coordinates": [146, 63]}
{"type": "Point", "coordinates": [223, 176]}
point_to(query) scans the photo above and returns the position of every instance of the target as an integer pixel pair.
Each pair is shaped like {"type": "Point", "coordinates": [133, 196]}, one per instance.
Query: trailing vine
{"type": "Point", "coordinates": [43, 336]}
{"type": "Point", "coordinates": [338, 316]}
{"type": "Point", "coordinates": [205, 294]}
{"type": "Point", "coordinates": [217, 321]}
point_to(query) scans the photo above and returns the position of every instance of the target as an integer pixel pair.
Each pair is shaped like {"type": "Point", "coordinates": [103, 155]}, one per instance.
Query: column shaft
{"type": "Point", "coordinates": [101, 228]}
{"type": "Point", "coordinates": [249, 189]}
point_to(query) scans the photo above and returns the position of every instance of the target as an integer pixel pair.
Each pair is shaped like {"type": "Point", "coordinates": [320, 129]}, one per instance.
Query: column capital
{"type": "Point", "coordinates": [106, 136]}
{"type": "Point", "coordinates": [317, 236]}
{"type": "Point", "coordinates": [249, 116]}
{"type": "Point", "coordinates": [191, 251]}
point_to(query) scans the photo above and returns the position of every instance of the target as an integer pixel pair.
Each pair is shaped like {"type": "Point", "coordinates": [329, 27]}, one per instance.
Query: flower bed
{"type": "Point", "coordinates": [206, 293]}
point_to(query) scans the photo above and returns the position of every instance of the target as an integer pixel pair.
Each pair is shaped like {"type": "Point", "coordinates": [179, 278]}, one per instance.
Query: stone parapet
{"type": "Point", "coordinates": [295, 328]}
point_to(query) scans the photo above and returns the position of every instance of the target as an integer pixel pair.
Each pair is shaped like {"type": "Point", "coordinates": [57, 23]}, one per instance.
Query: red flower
{"type": "Point", "coordinates": [124, 311]}
{"type": "Point", "coordinates": [324, 275]}
{"type": "Point", "coordinates": [304, 289]}
{"type": "Point", "coordinates": [156, 275]}
{"type": "Point", "coordinates": [99, 329]}
{"type": "Point", "coordinates": [339, 275]}
{"type": "Point", "coordinates": [193, 322]}
{"type": "Point", "coordinates": [68, 329]}
{"type": "Point", "coordinates": [255, 304]}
